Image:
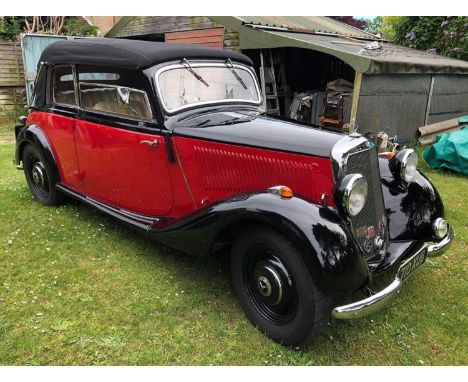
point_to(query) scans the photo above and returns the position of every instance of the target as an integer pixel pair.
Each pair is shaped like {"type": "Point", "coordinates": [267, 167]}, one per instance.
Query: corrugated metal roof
{"type": "Point", "coordinates": [317, 23]}
{"type": "Point", "coordinates": [332, 37]}
{"type": "Point", "coordinates": [389, 58]}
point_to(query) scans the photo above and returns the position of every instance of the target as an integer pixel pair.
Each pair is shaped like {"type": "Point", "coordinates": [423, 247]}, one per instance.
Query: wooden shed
{"type": "Point", "coordinates": [393, 88]}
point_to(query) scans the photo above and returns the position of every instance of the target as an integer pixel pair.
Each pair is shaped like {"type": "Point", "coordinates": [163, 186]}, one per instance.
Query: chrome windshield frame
{"type": "Point", "coordinates": [198, 64]}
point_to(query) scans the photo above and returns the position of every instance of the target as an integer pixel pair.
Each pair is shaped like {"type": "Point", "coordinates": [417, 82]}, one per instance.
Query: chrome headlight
{"type": "Point", "coordinates": [353, 190]}
{"type": "Point", "coordinates": [404, 165]}
{"type": "Point", "coordinates": [440, 228]}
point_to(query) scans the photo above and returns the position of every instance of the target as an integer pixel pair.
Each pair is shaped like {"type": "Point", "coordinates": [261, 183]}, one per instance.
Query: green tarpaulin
{"type": "Point", "coordinates": [450, 151]}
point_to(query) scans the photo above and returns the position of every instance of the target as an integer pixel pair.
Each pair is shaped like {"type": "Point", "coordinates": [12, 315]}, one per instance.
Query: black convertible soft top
{"type": "Point", "coordinates": [129, 54]}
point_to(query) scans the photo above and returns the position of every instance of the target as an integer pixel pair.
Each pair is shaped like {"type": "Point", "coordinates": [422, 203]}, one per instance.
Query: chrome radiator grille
{"type": "Point", "coordinates": [369, 225]}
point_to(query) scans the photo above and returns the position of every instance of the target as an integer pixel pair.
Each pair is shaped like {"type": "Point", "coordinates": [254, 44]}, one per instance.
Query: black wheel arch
{"type": "Point", "coordinates": [323, 239]}
{"type": "Point", "coordinates": [34, 135]}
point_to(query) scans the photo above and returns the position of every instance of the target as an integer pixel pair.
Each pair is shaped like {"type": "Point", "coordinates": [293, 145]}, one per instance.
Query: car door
{"type": "Point", "coordinates": [121, 150]}
{"type": "Point", "coordinates": [59, 122]}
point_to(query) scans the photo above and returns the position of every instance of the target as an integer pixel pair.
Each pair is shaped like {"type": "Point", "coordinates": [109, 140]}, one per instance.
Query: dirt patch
{"type": "Point", "coordinates": [6, 141]}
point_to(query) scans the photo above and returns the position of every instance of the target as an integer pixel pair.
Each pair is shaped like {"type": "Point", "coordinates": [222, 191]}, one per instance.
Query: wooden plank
{"type": "Point", "coordinates": [165, 24]}
{"type": "Point", "coordinates": [12, 84]}
{"type": "Point", "coordinates": [356, 93]}
{"type": "Point", "coordinates": [429, 99]}
{"type": "Point", "coordinates": [12, 91]}
{"type": "Point", "coordinates": [213, 37]}
{"type": "Point", "coordinates": [198, 40]}
{"type": "Point", "coordinates": [213, 32]}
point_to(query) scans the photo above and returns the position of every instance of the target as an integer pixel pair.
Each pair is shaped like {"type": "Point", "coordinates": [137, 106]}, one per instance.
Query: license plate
{"type": "Point", "coordinates": [410, 265]}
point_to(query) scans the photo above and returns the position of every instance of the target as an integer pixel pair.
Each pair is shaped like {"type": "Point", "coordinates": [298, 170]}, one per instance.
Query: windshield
{"type": "Point", "coordinates": [189, 84]}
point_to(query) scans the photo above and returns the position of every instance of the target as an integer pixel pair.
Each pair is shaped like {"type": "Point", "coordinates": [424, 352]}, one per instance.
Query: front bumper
{"type": "Point", "coordinates": [378, 300]}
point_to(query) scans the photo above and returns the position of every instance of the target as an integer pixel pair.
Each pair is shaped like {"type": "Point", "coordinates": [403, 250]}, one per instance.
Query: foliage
{"type": "Point", "coordinates": [44, 24]}
{"type": "Point", "coordinates": [351, 20]}
{"type": "Point", "coordinates": [77, 288]}
{"type": "Point", "coordinates": [75, 26]}
{"type": "Point", "coordinates": [384, 26]}
{"type": "Point", "coordinates": [12, 26]}
{"type": "Point", "coordinates": [375, 25]}
{"type": "Point", "coordinates": [446, 35]}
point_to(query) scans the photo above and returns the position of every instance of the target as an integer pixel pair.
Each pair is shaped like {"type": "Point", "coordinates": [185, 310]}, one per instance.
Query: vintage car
{"type": "Point", "coordinates": [172, 140]}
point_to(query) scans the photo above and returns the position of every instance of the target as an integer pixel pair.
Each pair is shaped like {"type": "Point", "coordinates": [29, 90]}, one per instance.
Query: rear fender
{"type": "Point", "coordinates": [33, 134]}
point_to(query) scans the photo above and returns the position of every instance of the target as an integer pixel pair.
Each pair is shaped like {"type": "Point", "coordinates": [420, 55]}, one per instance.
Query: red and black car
{"type": "Point", "coordinates": [172, 140]}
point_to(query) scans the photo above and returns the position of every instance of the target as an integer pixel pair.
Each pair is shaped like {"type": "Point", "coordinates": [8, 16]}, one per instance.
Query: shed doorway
{"type": "Point", "coordinates": [305, 85]}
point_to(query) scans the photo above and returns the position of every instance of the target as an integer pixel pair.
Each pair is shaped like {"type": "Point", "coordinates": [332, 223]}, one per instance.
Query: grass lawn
{"type": "Point", "coordinates": [76, 287]}
{"type": "Point", "coordinates": [7, 133]}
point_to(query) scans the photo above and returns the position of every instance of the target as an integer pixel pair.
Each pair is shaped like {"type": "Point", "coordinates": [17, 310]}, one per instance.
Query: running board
{"type": "Point", "coordinates": [143, 222]}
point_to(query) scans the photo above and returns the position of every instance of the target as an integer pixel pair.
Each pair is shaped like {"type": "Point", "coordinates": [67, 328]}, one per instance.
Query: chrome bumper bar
{"type": "Point", "coordinates": [440, 247]}
{"type": "Point", "coordinates": [377, 301]}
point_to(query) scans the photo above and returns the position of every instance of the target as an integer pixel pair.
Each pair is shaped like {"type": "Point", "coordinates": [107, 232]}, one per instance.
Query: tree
{"type": "Point", "coordinates": [351, 20]}
{"type": "Point", "coordinates": [12, 26]}
{"type": "Point", "coordinates": [44, 24]}
{"type": "Point", "coordinates": [384, 26]}
{"type": "Point", "coordinates": [446, 35]}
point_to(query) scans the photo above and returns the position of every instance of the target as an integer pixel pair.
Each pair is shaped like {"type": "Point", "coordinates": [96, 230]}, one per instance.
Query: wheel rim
{"type": "Point", "coordinates": [38, 176]}
{"type": "Point", "coordinates": [270, 285]}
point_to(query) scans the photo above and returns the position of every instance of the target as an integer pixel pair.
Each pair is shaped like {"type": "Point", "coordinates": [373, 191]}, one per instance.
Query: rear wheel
{"type": "Point", "coordinates": [40, 176]}
{"type": "Point", "coordinates": [275, 288]}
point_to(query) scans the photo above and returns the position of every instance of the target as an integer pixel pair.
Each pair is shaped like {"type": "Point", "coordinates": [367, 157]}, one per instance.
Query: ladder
{"type": "Point", "coordinates": [268, 82]}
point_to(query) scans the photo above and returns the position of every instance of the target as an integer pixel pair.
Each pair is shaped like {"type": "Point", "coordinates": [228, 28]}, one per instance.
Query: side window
{"type": "Point", "coordinates": [112, 91]}
{"type": "Point", "coordinates": [62, 86]}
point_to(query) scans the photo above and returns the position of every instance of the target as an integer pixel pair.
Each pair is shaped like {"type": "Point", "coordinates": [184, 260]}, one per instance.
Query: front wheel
{"type": "Point", "coordinates": [276, 289]}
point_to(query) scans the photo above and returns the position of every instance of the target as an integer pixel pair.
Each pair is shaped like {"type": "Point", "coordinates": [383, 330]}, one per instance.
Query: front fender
{"type": "Point", "coordinates": [325, 242]}
{"type": "Point", "coordinates": [411, 209]}
{"type": "Point", "coordinates": [33, 134]}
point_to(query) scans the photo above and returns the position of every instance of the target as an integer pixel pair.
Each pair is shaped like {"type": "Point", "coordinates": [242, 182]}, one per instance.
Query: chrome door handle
{"type": "Point", "coordinates": [150, 143]}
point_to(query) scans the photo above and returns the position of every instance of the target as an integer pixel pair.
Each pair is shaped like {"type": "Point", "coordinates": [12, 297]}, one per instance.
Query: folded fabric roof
{"type": "Point", "coordinates": [129, 54]}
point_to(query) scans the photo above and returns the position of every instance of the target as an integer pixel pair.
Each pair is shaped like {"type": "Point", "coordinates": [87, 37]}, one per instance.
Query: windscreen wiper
{"type": "Point", "coordinates": [230, 66]}
{"type": "Point", "coordinates": [187, 66]}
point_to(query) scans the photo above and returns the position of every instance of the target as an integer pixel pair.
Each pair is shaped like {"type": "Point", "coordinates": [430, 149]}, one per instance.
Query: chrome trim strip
{"type": "Point", "coordinates": [342, 149]}
{"type": "Point", "coordinates": [440, 247]}
{"type": "Point", "coordinates": [144, 222]}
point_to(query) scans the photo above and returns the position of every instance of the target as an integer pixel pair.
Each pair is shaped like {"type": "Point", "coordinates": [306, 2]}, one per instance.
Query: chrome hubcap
{"type": "Point", "coordinates": [264, 286]}
{"type": "Point", "coordinates": [271, 280]}
{"type": "Point", "coordinates": [270, 285]}
{"type": "Point", "coordinates": [38, 174]}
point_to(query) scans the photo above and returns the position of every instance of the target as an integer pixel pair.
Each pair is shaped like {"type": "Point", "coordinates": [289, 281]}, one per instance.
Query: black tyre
{"type": "Point", "coordinates": [275, 288]}
{"type": "Point", "coordinates": [40, 176]}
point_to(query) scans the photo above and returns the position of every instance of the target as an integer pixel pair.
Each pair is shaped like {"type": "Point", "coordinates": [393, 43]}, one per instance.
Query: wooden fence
{"type": "Point", "coordinates": [12, 92]}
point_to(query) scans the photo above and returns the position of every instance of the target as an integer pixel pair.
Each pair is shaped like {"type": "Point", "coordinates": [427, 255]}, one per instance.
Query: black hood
{"type": "Point", "coordinates": [250, 129]}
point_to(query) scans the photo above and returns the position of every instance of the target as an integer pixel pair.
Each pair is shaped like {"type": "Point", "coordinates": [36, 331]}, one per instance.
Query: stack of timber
{"type": "Point", "coordinates": [429, 132]}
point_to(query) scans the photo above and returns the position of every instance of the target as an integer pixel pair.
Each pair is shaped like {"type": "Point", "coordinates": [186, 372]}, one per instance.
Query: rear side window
{"type": "Point", "coordinates": [113, 91]}
{"type": "Point", "coordinates": [62, 86]}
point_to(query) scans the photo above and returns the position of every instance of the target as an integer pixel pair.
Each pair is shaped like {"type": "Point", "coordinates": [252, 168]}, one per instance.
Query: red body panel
{"type": "Point", "coordinates": [59, 131]}
{"type": "Point", "coordinates": [110, 164]}
{"type": "Point", "coordinates": [215, 171]}
{"type": "Point", "coordinates": [118, 169]}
